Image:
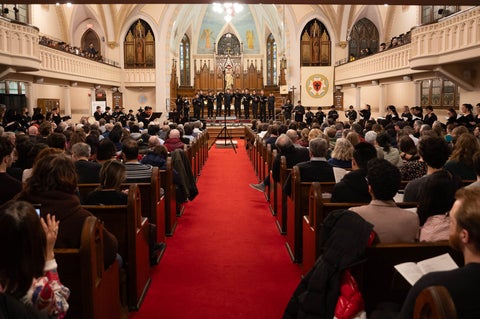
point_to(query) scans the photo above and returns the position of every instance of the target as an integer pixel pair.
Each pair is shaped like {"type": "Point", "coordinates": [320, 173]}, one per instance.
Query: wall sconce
{"type": "Point", "coordinates": [74, 84]}
{"type": "Point", "coordinates": [97, 87]}
{"type": "Point", "coordinates": [374, 82]}
{"type": "Point", "coordinates": [407, 78]}
{"type": "Point", "coordinates": [5, 11]}
{"type": "Point", "coordinates": [342, 44]}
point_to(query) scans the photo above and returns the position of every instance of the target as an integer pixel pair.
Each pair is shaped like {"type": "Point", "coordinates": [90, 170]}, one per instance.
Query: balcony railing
{"type": "Point", "coordinates": [18, 45]}
{"type": "Point", "coordinates": [63, 65]}
{"type": "Point", "coordinates": [454, 39]}
{"type": "Point", "coordinates": [139, 77]}
{"type": "Point", "coordinates": [393, 62]}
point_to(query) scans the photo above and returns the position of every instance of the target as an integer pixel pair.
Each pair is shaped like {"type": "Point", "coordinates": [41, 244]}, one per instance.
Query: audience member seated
{"type": "Point", "coordinates": [412, 167]}
{"type": "Point", "coordinates": [371, 137]}
{"type": "Point", "coordinates": [342, 154]}
{"type": "Point", "coordinates": [30, 271]}
{"type": "Point", "coordinates": [353, 187]}
{"type": "Point", "coordinates": [106, 151]}
{"type": "Point", "coordinates": [461, 283]}
{"type": "Point", "coordinates": [293, 155]}
{"type": "Point", "coordinates": [135, 171]}
{"type": "Point", "coordinates": [461, 160]}
{"type": "Point", "coordinates": [112, 175]}
{"type": "Point", "coordinates": [435, 201]}
{"type": "Point", "coordinates": [53, 185]}
{"type": "Point", "coordinates": [157, 154]}
{"type": "Point", "coordinates": [476, 166]}
{"type": "Point", "coordinates": [173, 141]}
{"type": "Point", "coordinates": [434, 151]}
{"type": "Point", "coordinates": [10, 186]}
{"type": "Point", "coordinates": [390, 223]}
{"type": "Point", "coordinates": [317, 169]}
{"type": "Point", "coordinates": [87, 172]}
{"type": "Point", "coordinates": [57, 140]}
{"type": "Point", "coordinates": [390, 153]}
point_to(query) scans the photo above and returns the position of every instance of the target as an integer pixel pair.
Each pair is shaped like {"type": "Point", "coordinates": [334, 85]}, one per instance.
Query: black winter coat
{"type": "Point", "coordinates": [344, 238]}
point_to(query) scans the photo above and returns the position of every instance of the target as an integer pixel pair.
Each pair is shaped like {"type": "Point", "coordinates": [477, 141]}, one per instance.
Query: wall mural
{"type": "Point", "coordinates": [242, 22]}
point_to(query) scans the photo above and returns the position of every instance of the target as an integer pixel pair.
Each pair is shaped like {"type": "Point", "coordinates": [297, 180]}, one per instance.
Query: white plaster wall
{"type": "Point", "coordinates": [45, 18]}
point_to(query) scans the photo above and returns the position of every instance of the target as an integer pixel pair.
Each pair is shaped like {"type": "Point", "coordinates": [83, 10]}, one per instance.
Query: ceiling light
{"type": "Point", "coordinates": [228, 9]}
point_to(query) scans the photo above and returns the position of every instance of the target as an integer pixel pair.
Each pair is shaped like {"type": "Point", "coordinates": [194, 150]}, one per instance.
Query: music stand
{"type": "Point", "coordinates": [226, 134]}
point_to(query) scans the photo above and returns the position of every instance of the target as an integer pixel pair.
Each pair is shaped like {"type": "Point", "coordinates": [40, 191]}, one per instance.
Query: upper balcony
{"type": "Point", "coordinates": [18, 47]}
{"type": "Point", "coordinates": [450, 47]}
{"type": "Point", "coordinates": [57, 64]}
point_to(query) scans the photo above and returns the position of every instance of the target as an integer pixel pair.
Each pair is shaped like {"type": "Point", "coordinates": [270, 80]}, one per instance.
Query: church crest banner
{"type": "Point", "coordinates": [317, 86]}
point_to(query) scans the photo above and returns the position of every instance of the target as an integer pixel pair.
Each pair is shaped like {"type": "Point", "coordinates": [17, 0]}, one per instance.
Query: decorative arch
{"type": "Point", "coordinates": [184, 60]}
{"type": "Point", "coordinates": [271, 60]}
{"type": "Point", "coordinates": [90, 36]}
{"type": "Point", "coordinates": [315, 45]}
{"type": "Point", "coordinates": [139, 46]}
{"type": "Point", "coordinates": [364, 35]}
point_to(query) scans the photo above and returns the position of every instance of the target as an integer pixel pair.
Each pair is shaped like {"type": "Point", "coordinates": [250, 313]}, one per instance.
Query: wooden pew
{"type": "Point", "coordinates": [268, 166]}
{"type": "Point", "coordinates": [318, 209]}
{"type": "Point", "coordinates": [297, 207]}
{"type": "Point", "coordinates": [153, 206]}
{"type": "Point", "coordinates": [166, 181]}
{"type": "Point", "coordinates": [281, 220]}
{"type": "Point", "coordinates": [377, 277]}
{"type": "Point", "coordinates": [434, 302]}
{"type": "Point", "coordinates": [272, 188]}
{"type": "Point", "coordinates": [131, 230]}
{"type": "Point", "coordinates": [94, 291]}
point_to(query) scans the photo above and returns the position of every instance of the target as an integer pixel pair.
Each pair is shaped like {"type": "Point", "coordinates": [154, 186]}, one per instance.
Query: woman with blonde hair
{"type": "Point", "coordinates": [342, 154]}
{"type": "Point", "coordinates": [303, 141]}
{"type": "Point", "coordinates": [353, 138]}
{"type": "Point", "coordinates": [314, 133]}
{"type": "Point", "coordinates": [461, 160]}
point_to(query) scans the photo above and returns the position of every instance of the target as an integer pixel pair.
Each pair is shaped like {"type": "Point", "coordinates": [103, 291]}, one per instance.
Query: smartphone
{"type": "Point", "coordinates": [37, 209]}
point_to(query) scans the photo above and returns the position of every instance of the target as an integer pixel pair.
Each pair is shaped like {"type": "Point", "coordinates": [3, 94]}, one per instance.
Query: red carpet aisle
{"type": "Point", "coordinates": [226, 258]}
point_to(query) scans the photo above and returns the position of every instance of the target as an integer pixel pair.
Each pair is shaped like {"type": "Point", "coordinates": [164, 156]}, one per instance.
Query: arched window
{"type": "Point", "coordinates": [228, 45]}
{"type": "Point", "coordinates": [271, 60]}
{"type": "Point", "coordinates": [91, 37]}
{"type": "Point", "coordinates": [315, 44]}
{"type": "Point", "coordinates": [364, 35]}
{"type": "Point", "coordinates": [185, 61]}
{"type": "Point", "coordinates": [139, 46]}
{"type": "Point", "coordinates": [440, 93]}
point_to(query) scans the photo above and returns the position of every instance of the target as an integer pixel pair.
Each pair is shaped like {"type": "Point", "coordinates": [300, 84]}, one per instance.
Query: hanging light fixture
{"type": "Point", "coordinates": [229, 9]}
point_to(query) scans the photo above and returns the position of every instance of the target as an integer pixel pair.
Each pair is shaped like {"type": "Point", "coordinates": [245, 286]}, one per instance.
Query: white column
{"type": "Point", "coordinates": [418, 93]}
{"type": "Point", "coordinates": [31, 93]}
{"type": "Point", "coordinates": [382, 103]}
{"type": "Point", "coordinates": [67, 107]}
{"type": "Point", "coordinates": [358, 100]}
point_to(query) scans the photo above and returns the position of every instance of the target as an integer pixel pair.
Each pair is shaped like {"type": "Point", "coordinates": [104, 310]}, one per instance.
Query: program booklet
{"type": "Point", "coordinates": [413, 271]}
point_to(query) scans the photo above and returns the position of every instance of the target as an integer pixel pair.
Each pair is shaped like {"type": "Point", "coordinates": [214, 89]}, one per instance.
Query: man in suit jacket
{"type": "Point", "coordinates": [293, 155]}
{"type": "Point", "coordinates": [353, 187]}
{"type": "Point", "coordinates": [317, 169]}
{"type": "Point", "coordinates": [391, 223]}
{"type": "Point", "coordinates": [87, 171]}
